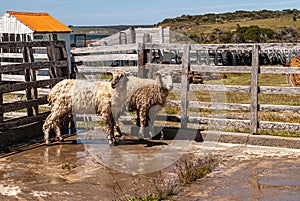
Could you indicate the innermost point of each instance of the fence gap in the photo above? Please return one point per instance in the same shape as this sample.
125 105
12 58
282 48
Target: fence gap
254 90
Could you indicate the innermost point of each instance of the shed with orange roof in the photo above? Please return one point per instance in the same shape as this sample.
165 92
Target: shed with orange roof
32 26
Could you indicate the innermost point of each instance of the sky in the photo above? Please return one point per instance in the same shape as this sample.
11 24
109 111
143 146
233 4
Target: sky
136 12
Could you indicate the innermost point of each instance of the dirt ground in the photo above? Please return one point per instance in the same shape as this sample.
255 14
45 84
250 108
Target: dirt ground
81 169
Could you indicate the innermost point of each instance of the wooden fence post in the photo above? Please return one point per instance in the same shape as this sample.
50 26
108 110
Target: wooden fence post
1 100
30 75
184 86
141 60
254 90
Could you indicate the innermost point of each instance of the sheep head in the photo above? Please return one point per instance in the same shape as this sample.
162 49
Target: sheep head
119 79
164 77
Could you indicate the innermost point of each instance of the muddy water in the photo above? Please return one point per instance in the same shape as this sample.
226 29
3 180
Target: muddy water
74 170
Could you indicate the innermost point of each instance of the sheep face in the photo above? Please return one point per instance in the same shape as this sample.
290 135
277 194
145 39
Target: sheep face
119 79
167 81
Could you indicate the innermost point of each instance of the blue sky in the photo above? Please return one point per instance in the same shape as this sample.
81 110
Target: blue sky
136 12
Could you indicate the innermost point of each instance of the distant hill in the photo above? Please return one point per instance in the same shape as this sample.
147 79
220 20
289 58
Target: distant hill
239 26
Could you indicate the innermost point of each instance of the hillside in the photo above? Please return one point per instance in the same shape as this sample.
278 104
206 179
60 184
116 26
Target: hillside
239 26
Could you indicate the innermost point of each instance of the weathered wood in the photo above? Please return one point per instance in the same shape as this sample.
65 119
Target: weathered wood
52 57
23 121
279 108
34 66
207 87
103 69
141 60
221 69
23 86
279 90
280 70
12 45
279 126
184 86
20 78
254 90
98 49
19 55
19 105
41 91
221 123
107 57
28 58
155 67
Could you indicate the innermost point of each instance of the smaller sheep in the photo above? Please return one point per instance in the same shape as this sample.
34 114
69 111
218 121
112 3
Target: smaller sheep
103 98
148 97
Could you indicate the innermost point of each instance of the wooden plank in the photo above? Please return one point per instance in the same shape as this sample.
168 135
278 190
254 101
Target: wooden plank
170 46
19 55
221 123
279 126
279 90
19 105
106 57
280 70
87 69
254 91
41 91
221 69
20 78
207 87
155 67
98 49
22 86
184 86
210 105
23 121
35 66
12 45
279 108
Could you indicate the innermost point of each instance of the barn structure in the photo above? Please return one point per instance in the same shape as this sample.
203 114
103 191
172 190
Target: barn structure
32 26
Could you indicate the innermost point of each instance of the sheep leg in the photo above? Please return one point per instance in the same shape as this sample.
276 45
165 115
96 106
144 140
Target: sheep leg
117 133
143 120
57 131
46 129
53 121
110 133
152 115
109 123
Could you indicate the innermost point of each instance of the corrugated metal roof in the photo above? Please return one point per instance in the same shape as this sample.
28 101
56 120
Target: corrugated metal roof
40 22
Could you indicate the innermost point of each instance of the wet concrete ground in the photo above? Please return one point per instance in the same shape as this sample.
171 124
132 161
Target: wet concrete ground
75 170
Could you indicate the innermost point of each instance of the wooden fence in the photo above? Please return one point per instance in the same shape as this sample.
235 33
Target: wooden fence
141 59
20 69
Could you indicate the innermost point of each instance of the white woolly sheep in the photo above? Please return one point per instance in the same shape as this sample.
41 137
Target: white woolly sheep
147 97
103 98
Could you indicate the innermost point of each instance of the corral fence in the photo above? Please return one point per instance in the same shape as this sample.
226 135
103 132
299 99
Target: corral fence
142 59
27 72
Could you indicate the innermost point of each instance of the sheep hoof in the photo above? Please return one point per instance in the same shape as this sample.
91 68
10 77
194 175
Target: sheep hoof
113 143
47 142
61 139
